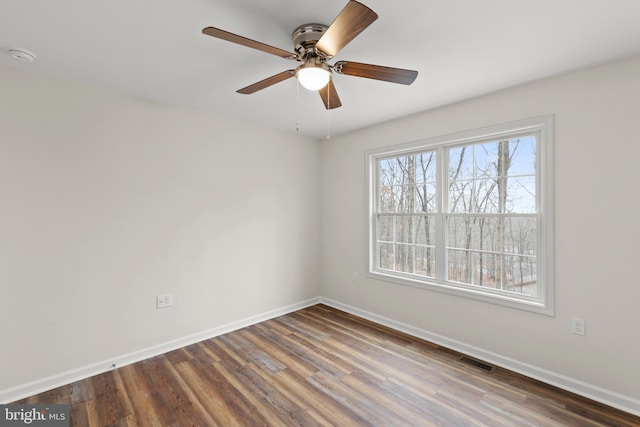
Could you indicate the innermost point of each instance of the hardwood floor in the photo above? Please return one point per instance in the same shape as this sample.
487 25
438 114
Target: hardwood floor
320 367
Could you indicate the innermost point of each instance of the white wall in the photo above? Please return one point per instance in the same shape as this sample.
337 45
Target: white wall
597 162
108 201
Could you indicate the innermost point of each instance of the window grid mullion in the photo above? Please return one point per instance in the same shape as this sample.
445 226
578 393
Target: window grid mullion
442 183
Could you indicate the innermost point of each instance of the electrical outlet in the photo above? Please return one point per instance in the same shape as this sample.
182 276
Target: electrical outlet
163 301
578 326
354 276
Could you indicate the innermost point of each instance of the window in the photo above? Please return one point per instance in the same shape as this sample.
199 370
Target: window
469 214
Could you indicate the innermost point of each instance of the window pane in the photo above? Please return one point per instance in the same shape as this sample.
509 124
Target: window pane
394 198
425 261
391 184
385 228
426 167
486 199
485 234
485 158
404 169
425 198
406 199
386 199
406 243
425 231
486 276
520 275
460 163
460 265
404 259
469 232
520 236
523 156
386 256
403 229
505 234
392 171
521 195
460 196
475 247
459 232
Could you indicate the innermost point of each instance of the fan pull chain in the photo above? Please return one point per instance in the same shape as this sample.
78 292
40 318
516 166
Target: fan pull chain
328 137
297 106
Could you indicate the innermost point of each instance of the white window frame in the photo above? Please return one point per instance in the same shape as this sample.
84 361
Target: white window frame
542 126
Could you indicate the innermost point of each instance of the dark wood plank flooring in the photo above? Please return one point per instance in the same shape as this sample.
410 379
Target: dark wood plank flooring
320 367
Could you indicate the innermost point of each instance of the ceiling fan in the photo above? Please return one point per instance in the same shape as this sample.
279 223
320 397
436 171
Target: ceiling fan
314 46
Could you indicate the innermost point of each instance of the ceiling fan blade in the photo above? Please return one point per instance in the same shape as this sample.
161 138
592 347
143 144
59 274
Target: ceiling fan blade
377 72
269 81
350 22
329 96
234 38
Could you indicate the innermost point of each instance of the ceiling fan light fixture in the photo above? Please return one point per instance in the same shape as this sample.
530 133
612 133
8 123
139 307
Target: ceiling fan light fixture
313 75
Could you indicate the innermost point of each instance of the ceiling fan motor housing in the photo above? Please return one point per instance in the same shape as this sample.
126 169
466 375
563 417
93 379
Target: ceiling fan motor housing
305 38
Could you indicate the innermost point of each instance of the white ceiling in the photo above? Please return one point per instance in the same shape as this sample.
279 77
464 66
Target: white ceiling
154 49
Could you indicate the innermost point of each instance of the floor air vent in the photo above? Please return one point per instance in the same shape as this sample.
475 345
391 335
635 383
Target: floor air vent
477 363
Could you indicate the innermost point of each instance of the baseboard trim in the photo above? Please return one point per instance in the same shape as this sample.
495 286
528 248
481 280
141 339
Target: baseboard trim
607 397
58 380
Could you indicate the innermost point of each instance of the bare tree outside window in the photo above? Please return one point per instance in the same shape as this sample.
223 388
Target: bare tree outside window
468 214
407 198
490 215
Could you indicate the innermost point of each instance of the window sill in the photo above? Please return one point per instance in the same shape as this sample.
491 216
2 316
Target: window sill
471 292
